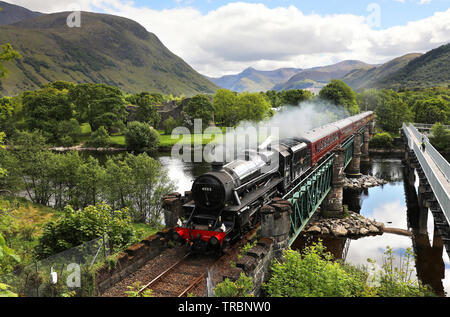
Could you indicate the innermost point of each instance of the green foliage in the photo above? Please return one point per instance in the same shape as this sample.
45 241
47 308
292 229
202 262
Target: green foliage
140 136
146 108
169 124
339 93
8 258
382 140
243 287
312 273
5 292
396 280
294 96
441 137
45 109
99 138
7 53
133 291
99 105
226 111
392 111
76 227
252 106
199 107
431 110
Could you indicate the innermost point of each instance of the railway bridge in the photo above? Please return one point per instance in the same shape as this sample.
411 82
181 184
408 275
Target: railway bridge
322 187
433 171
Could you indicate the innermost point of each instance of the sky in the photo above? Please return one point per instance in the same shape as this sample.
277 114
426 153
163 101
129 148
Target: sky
220 37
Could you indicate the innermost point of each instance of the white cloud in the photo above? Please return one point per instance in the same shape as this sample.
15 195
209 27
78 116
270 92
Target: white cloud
239 35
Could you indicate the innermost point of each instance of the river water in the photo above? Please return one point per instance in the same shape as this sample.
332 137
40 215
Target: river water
386 204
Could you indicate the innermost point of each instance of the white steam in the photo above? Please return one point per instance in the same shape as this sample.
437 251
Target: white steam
288 122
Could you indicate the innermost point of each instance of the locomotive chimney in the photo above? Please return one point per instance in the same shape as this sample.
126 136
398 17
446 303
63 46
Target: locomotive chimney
216 166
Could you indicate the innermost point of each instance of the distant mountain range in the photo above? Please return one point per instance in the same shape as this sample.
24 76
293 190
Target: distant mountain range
255 80
413 70
105 49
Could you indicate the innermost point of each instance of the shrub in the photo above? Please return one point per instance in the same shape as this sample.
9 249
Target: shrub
382 140
99 138
140 136
169 124
241 288
74 228
312 273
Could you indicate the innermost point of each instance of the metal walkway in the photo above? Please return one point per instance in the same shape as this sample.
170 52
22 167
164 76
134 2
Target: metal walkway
435 167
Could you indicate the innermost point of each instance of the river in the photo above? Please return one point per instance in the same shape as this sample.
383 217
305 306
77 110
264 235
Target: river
385 203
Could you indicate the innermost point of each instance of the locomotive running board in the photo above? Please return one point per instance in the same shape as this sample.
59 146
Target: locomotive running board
252 197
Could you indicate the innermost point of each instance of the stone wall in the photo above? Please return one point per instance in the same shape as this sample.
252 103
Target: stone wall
131 260
256 263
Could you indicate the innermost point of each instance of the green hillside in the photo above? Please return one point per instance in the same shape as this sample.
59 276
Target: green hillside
429 70
105 49
318 77
366 78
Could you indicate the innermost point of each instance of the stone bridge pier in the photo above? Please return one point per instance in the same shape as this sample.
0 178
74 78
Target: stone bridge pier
332 205
354 168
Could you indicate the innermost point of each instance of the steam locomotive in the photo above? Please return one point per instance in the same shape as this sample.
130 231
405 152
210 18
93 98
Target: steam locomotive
226 200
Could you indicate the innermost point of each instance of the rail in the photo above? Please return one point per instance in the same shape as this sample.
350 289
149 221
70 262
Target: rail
425 126
439 185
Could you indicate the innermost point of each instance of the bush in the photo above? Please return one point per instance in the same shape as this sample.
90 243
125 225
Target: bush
99 138
140 136
312 273
77 227
169 124
441 137
382 140
241 288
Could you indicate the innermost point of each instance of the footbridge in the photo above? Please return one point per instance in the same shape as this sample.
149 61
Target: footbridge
434 177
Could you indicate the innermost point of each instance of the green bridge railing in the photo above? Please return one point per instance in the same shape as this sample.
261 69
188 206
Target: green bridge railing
307 195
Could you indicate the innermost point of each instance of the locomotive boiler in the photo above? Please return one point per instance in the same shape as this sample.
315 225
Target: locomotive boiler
226 201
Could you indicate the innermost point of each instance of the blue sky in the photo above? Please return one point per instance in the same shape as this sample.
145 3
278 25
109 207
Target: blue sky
394 12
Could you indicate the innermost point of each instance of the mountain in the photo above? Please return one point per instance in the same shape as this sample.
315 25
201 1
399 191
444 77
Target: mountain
428 70
366 78
11 13
317 77
105 49
253 80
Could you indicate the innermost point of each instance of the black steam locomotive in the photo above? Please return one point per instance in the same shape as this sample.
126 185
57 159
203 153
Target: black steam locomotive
226 201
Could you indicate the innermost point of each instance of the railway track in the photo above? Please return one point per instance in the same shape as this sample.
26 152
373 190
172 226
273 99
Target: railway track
181 277
188 273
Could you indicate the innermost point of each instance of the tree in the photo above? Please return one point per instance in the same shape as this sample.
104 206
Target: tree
169 124
7 53
226 111
252 107
141 136
441 137
99 105
295 96
147 110
99 138
431 110
339 93
392 111
199 107
44 109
